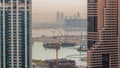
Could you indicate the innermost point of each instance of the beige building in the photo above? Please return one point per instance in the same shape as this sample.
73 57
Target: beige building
103 33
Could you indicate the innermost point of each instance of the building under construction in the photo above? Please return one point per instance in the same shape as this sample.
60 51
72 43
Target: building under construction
62 63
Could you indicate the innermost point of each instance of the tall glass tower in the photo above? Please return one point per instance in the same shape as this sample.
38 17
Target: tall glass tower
15 33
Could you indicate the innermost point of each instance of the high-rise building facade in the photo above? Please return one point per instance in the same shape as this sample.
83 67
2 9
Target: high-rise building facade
15 33
103 33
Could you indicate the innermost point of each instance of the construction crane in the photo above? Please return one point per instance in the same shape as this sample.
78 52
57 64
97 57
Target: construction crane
57 45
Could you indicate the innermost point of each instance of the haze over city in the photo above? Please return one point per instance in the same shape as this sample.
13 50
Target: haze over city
60 34
45 10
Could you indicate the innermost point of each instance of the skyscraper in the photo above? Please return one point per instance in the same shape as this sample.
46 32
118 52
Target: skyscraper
78 15
103 33
58 16
15 33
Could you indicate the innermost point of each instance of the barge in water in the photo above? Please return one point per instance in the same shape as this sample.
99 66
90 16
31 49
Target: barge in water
54 45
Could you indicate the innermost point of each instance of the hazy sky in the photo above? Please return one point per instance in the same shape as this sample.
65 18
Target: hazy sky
46 9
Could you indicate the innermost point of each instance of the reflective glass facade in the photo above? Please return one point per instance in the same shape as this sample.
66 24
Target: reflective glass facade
15 34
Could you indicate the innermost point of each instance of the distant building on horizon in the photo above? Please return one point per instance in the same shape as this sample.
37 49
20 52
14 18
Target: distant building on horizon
78 15
15 34
71 22
75 22
103 33
59 18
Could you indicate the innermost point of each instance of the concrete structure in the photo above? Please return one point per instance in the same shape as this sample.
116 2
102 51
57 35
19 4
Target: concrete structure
103 33
15 33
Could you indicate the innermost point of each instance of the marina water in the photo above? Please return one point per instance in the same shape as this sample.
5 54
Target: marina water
41 53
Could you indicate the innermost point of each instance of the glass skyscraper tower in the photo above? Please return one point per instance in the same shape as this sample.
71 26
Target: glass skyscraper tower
15 33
